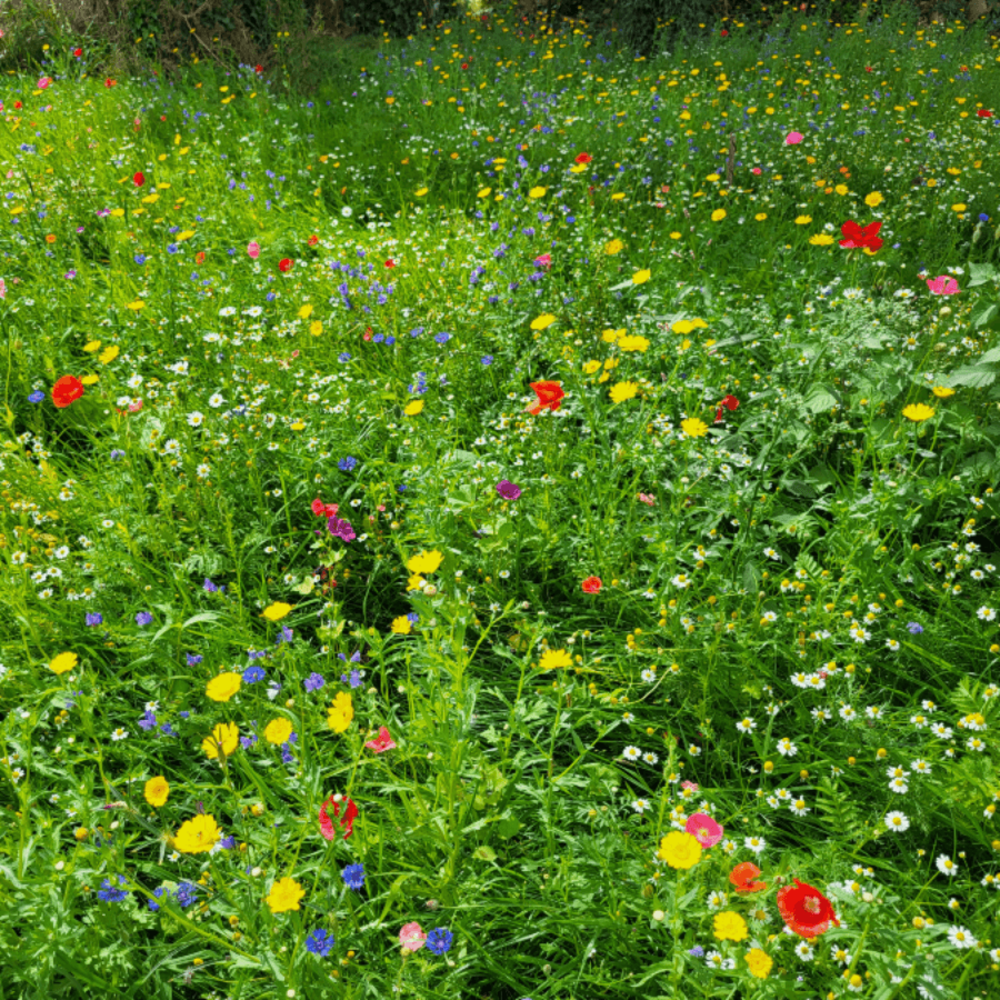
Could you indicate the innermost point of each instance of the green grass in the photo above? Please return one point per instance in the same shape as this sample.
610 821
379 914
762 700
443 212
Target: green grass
794 599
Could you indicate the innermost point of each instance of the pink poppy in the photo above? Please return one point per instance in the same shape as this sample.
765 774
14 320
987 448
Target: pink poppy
326 824
44 82
756 170
646 498
381 742
544 261
942 285
793 138
254 250
704 829
3 289
412 937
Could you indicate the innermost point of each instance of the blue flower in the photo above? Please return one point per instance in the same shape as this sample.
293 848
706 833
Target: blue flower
983 217
95 618
343 358
209 586
159 893
347 464
914 628
186 894
143 618
253 674
487 359
439 940
140 259
36 397
116 453
314 682
193 659
320 942
442 338
354 876
110 894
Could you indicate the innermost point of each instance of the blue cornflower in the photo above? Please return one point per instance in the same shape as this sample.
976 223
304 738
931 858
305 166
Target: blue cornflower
159 893
143 618
983 217
697 951
116 453
314 682
186 894
439 940
285 636
228 843
413 617
487 359
914 628
209 586
140 259
248 741
193 659
320 942
36 397
253 674
148 721
343 358
354 876
442 338
110 894
95 618
354 680
347 464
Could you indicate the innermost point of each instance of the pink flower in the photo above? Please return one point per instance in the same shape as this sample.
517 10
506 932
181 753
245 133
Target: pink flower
412 937
135 406
942 285
689 786
793 138
647 499
3 289
44 82
544 261
382 742
704 829
254 250
756 170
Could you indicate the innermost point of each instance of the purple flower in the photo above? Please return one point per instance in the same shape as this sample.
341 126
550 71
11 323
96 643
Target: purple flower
159 894
95 618
209 586
439 940
253 674
193 659
110 894
914 628
143 618
319 943
340 529
508 490
148 721
347 464
314 682
285 636
697 951
354 680
36 397
354 876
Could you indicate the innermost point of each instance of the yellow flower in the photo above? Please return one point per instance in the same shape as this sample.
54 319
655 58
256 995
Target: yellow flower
63 662
633 343
412 409
918 412
760 216
537 192
615 246
275 612
874 200
958 208
621 391
341 712
277 731
694 427
89 379
590 367
305 312
679 850
618 196
401 625
675 235
91 346
543 322
187 234
553 658
730 926
821 240
197 835
225 735
803 220
108 354
285 895
941 392
484 192
718 215
157 791
136 306
610 336
759 963
425 562
223 687
415 582
316 327
640 277
687 325
421 192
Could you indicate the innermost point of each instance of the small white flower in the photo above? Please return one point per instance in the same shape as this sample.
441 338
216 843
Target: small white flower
631 753
946 866
640 806
960 937
755 844
897 822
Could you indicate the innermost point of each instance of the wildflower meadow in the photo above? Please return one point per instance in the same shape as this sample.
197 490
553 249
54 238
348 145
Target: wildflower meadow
516 521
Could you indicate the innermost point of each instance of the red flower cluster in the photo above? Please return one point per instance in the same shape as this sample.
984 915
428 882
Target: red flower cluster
313 240
983 113
326 824
321 509
857 237
805 910
67 390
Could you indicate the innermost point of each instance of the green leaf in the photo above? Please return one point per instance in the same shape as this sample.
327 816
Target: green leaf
973 377
979 274
986 316
820 399
485 853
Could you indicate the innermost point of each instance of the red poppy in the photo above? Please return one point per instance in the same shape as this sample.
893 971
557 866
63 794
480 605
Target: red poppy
367 335
592 585
67 390
321 509
860 236
258 69
465 65
326 824
724 33
78 53
138 178
983 113
583 158
285 265
744 877
200 257
730 403
806 910
868 69
17 105
390 263
109 82
313 240
549 395
382 742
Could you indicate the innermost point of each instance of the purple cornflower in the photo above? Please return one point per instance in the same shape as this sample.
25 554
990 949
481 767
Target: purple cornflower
314 682
209 586
354 680
508 490
193 659
36 397
319 943
143 618
110 894
697 951
914 628
347 464
95 618
148 721
439 940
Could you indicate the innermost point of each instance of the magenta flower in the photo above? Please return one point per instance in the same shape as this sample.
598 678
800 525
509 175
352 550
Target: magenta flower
254 250
793 138
942 285
704 829
544 261
382 742
412 937
508 490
